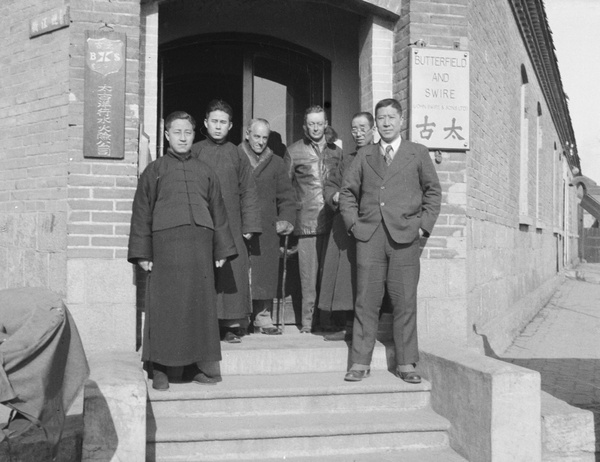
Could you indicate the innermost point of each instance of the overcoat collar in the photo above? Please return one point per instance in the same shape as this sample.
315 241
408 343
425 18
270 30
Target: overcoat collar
258 163
310 145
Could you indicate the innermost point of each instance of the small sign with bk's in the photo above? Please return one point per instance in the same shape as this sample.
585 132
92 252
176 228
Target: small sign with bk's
48 22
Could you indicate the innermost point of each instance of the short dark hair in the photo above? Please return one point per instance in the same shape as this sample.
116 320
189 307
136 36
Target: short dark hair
316 109
179 115
219 105
366 115
389 102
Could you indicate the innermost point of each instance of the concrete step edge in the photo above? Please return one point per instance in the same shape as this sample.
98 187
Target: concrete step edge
419 455
285 406
182 429
321 448
293 353
284 385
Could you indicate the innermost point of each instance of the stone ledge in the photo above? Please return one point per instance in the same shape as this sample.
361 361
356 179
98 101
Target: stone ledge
567 431
114 408
494 407
584 275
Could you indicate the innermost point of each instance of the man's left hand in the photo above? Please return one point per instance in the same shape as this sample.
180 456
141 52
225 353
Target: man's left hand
247 236
220 263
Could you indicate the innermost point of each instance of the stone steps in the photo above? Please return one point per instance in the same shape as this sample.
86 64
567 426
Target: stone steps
418 455
326 433
284 398
289 394
293 353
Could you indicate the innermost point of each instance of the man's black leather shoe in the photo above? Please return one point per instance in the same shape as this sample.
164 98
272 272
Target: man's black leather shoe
409 377
356 376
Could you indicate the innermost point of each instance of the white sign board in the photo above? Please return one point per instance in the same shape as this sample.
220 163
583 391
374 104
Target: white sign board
439 98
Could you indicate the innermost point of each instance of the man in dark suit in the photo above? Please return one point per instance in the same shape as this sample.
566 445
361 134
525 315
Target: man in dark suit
390 197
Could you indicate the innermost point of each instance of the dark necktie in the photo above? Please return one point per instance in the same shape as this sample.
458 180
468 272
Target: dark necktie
388 154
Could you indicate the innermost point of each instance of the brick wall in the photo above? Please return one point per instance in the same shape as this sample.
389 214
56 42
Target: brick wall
101 191
33 154
442 295
100 289
511 267
64 220
481 267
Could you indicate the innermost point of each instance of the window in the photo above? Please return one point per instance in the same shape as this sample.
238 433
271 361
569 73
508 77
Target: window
538 165
524 154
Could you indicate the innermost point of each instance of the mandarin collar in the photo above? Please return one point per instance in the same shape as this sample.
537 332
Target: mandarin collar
181 157
214 142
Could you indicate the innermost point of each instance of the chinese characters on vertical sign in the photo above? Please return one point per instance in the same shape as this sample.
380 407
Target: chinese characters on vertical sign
104 105
439 98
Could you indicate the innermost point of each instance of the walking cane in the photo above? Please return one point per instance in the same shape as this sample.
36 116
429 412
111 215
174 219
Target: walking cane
281 300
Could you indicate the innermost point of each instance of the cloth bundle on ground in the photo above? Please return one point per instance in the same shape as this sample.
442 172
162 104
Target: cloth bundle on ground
43 363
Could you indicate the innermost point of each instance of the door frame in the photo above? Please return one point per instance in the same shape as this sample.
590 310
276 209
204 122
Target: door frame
254 45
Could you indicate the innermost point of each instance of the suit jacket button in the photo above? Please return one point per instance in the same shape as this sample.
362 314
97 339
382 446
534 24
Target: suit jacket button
383 187
382 204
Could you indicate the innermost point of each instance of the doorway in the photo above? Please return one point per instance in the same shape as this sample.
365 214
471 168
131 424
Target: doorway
258 76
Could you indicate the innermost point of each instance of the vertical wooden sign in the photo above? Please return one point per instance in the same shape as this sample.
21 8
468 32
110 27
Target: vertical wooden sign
104 87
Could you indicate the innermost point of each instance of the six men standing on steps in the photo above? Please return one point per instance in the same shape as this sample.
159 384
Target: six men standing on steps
387 195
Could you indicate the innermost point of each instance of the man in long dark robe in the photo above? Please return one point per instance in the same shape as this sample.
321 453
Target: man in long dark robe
278 211
179 232
338 285
241 202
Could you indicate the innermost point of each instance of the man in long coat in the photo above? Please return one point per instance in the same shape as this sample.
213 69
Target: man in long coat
390 197
241 202
278 211
338 284
311 161
179 232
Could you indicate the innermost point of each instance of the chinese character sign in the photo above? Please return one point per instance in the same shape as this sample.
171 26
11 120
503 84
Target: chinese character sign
104 105
50 21
439 98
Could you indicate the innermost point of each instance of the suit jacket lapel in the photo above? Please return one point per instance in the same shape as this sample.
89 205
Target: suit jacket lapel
376 161
403 157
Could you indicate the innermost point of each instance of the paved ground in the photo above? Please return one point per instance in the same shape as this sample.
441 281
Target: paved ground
563 342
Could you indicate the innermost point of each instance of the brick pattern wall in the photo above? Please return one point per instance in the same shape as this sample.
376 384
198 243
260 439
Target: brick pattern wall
149 71
508 269
100 192
442 302
376 62
438 25
33 153
100 282
511 267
